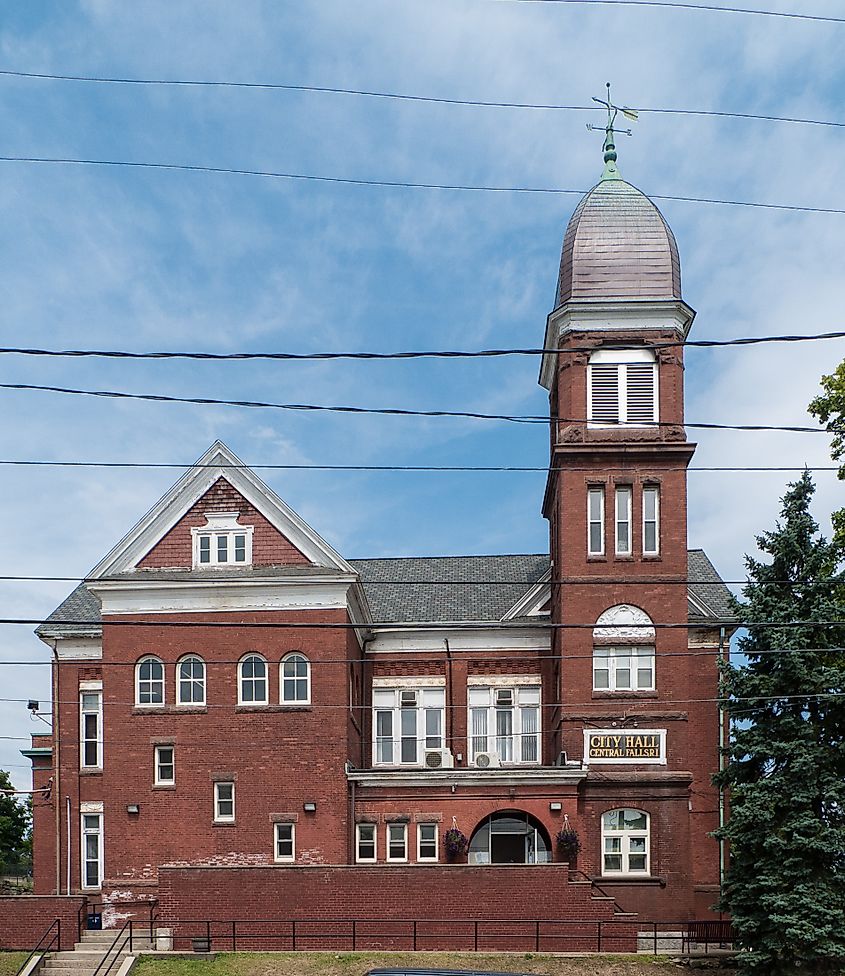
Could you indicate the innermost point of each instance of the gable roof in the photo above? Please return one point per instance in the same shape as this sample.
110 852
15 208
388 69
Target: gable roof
217 462
411 590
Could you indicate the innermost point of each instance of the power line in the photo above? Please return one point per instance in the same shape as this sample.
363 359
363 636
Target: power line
447 468
677 5
411 354
395 411
395 184
399 96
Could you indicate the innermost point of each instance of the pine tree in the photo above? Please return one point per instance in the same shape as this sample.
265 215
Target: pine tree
785 771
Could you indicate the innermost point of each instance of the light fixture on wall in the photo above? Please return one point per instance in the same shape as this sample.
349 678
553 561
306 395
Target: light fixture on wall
309 806
555 807
133 808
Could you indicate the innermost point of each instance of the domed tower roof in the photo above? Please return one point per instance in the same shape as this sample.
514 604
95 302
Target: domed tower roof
618 247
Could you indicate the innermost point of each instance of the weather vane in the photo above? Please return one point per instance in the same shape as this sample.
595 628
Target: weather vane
611 172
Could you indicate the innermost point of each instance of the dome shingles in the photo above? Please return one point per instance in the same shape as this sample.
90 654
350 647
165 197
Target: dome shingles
618 246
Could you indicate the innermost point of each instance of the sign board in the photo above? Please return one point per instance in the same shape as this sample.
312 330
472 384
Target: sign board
624 746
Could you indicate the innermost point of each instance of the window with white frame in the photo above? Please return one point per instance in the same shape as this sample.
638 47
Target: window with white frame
149 681
190 680
92 850
365 842
165 765
623 668
624 498
406 723
91 729
625 842
397 842
595 521
252 680
651 520
504 724
222 541
224 802
427 842
284 841
296 679
622 388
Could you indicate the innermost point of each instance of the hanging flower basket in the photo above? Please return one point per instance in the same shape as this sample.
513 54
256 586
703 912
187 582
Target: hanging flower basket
455 843
568 843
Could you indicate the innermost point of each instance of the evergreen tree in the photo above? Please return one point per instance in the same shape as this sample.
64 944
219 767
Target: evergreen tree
15 825
785 771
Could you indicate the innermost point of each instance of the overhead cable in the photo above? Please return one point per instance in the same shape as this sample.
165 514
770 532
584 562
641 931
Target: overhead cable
399 96
396 411
678 5
394 184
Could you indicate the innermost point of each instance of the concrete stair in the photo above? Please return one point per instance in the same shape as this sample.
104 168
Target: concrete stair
88 954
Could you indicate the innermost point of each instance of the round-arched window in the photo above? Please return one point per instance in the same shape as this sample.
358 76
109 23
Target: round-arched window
296 679
190 681
149 681
252 680
510 837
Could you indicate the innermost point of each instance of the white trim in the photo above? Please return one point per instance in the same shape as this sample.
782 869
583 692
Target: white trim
91 806
388 640
162 681
225 818
217 462
626 518
531 603
191 656
78 648
157 780
412 681
420 828
358 858
507 776
618 733
597 491
625 846
285 859
656 490
221 524
388 828
90 685
295 701
98 691
504 680
624 624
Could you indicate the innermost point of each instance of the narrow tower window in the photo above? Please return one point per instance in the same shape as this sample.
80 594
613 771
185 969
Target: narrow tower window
623 521
651 521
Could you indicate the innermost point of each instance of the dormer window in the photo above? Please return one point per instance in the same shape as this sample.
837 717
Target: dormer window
622 388
222 541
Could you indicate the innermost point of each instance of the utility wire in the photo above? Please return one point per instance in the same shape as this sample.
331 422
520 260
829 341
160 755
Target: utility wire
396 411
448 468
676 5
397 184
414 354
399 96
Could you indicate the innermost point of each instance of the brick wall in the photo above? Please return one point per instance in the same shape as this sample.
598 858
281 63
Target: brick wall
24 919
506 902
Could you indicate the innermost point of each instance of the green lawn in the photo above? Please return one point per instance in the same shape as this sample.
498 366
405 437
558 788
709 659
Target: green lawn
357 963
11 962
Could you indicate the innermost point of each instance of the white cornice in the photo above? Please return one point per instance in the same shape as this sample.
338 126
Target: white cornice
609 316
426 778
217 462
387 640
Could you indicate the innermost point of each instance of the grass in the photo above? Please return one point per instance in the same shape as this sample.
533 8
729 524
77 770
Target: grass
11 962
357 963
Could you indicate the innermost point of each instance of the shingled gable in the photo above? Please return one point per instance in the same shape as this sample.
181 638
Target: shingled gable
217 471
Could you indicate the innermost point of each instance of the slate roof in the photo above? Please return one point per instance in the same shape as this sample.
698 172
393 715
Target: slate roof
409 590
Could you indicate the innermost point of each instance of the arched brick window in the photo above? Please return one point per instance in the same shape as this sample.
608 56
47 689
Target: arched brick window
623 651
252 680
190 680
149 681
295 679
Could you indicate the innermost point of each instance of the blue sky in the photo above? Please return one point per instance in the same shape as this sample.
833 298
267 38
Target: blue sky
117 258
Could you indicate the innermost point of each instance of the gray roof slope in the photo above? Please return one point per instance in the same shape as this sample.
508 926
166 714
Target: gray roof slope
405 590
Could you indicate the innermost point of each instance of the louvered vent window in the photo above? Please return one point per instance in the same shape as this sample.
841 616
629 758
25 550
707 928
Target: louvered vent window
622 388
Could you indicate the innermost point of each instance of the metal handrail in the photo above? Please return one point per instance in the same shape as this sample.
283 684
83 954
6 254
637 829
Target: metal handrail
99 971
56 937
597 887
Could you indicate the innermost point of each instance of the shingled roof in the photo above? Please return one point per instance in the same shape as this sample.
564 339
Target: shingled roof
417 590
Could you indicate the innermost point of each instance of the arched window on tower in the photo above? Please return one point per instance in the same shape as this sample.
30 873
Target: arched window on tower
623 651
622 388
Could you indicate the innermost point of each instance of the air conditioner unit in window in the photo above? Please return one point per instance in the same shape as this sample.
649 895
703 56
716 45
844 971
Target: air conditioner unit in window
439 759
487 760
504 697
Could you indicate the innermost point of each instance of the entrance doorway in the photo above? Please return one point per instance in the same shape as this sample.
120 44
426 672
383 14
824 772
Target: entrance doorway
512 837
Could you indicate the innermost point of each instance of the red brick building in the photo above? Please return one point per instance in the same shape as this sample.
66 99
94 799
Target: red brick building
233 694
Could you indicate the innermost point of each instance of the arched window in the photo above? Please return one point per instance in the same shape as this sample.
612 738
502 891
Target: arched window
190 681
625 842
510 837
623 650
252 681
622 388
149 681
296 679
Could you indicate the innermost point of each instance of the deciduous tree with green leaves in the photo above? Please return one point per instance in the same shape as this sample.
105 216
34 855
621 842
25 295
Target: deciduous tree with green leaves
829 408
785 770
15 825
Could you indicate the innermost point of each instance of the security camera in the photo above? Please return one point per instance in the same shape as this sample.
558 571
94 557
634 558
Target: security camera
33 705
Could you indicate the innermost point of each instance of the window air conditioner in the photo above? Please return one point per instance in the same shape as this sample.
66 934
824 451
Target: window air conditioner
487 760
439 759
504 697
561 759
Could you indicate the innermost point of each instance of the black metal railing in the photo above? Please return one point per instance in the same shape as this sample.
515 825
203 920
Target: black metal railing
112 954
52 935
621 935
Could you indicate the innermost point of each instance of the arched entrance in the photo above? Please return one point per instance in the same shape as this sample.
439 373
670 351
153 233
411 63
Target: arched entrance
510 837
